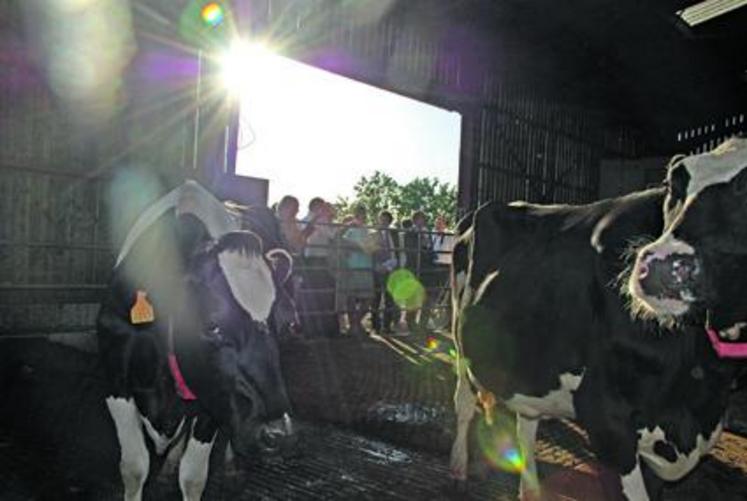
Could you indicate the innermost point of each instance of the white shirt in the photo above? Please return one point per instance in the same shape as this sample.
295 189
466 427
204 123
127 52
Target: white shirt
318 243
443 245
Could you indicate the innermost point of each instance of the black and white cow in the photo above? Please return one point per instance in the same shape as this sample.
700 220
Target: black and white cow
187 336
619 314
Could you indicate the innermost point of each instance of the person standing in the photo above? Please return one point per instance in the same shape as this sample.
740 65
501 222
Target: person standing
356 276
287 211
385 261
443 244
420 262
318 302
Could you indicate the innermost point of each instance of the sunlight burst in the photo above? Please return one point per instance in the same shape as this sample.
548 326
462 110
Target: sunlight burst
241 62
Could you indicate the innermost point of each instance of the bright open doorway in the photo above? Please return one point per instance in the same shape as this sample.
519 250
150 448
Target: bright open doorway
311 132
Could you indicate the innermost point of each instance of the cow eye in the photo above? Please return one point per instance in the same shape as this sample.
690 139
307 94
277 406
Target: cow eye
213 334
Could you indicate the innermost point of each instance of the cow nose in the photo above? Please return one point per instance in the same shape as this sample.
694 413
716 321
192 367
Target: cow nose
671 276
277 437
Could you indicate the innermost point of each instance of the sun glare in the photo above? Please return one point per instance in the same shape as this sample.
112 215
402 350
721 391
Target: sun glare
241 62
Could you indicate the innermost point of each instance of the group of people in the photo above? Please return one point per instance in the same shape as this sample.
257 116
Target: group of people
347 264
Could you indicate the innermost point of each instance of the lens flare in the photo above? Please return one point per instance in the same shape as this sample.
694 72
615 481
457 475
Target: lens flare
406 290
499 446
212 14
431 343
206 24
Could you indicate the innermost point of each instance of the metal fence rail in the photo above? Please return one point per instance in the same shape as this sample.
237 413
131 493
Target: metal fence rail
48 307
418 256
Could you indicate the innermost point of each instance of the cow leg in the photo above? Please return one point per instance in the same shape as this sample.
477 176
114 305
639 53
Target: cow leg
464 406
526 432
135 459
633 486
193 468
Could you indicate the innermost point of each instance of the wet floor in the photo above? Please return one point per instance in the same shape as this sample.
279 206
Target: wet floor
376 419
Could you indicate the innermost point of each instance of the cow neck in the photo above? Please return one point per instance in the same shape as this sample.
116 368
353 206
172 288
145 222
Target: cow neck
179 383
724 349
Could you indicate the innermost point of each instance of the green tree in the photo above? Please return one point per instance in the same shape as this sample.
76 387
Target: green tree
380 191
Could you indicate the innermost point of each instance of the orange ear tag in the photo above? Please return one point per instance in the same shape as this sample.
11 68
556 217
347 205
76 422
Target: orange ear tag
487 401
142 310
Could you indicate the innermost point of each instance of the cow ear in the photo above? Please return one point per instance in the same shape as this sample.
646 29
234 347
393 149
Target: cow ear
639 217
243 241
675 160
282 263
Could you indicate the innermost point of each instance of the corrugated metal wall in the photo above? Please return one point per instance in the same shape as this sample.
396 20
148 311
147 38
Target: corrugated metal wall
54 229
705 137
531 149
516 145
58 186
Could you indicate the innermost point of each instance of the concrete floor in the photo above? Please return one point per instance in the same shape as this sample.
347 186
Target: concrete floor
377 424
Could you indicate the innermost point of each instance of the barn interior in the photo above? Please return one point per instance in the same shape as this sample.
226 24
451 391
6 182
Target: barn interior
103 101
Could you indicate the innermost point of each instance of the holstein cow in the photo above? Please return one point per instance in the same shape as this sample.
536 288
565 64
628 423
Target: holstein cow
621 314
187 336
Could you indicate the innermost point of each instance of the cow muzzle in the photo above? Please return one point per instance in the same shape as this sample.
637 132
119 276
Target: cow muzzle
666 282
276 438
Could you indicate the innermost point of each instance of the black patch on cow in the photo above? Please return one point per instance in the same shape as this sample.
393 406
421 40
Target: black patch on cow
665 450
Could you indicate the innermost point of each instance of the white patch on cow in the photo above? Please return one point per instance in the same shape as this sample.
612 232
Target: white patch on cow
134 457
251 282
633 485
684 463
526 432
464 407
160 441
557 403
718 166
665 246
466 296
174 456
485 284
193 469
662 248
460 279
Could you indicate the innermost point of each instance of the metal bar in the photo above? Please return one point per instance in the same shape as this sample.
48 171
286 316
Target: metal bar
515 174
13 287
53 245
52 172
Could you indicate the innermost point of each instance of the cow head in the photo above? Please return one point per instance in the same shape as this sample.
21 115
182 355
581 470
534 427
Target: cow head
224 342
697 266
